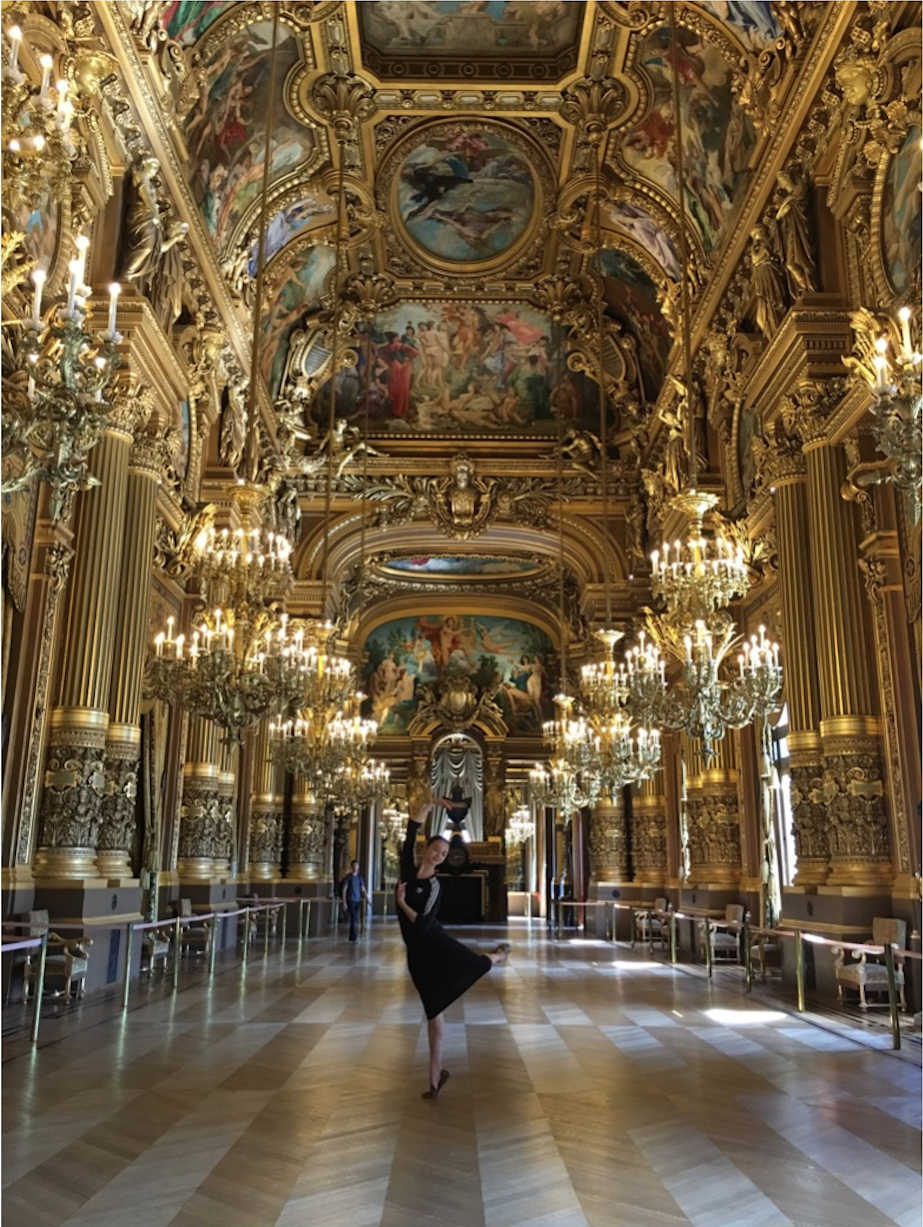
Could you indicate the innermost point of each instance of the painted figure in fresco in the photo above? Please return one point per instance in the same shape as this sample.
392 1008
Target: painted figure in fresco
431 181
641 226
399 356
445 638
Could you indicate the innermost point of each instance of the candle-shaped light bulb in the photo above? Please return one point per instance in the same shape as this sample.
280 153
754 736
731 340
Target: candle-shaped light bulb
38 141
15 36
38 280
158 644
114 291
46 64
904 316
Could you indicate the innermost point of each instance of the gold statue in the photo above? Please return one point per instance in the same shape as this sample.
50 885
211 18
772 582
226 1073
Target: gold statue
768 290
794 234
146 237
462 504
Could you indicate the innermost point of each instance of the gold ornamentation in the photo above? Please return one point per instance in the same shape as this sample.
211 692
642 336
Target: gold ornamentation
608 843
456 705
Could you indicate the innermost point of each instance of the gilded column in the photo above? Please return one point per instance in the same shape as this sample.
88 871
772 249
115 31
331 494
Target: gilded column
206 834
649 831
714 815
782 464
608 841
123 737
267 802
307 836
75 776
852 790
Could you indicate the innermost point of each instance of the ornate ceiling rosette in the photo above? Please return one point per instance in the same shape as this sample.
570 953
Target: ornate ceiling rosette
466 196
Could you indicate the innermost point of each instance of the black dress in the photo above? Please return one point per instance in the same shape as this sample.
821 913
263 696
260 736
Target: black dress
441 967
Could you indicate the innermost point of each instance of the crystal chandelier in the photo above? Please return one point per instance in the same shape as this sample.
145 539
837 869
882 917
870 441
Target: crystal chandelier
704 575
570 780
355 785
705 702
328 748
520 826
56 380
38 145
393 824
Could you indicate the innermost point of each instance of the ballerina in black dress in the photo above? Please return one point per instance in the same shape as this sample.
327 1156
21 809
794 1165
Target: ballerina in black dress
441 967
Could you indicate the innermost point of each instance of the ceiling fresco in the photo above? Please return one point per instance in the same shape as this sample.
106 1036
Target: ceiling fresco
753 21
462 566
187 20
632 295
225 132
456 367
718 136
466 213
409 653
296 284
901 212
532 40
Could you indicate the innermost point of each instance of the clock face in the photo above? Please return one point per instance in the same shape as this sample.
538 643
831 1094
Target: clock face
457 857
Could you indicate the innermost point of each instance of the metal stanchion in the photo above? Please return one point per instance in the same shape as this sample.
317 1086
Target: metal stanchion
672 938
39 987
307 918
799 971
266 924
559 915
284 924
892 997
246 935
706 934
748 960
177 946
212 946
632 927
127 983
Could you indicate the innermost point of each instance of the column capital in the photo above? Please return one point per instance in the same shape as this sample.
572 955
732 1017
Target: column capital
806 411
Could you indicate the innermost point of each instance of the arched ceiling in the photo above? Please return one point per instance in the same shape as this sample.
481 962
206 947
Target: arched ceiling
470 176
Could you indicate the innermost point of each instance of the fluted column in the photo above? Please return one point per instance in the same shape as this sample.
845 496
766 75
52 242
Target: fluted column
267 802
787 470
714 815
307 836
75 777
852 787
608 841
123 737
206 835
649 831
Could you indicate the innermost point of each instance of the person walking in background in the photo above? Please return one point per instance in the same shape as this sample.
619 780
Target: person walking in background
353 894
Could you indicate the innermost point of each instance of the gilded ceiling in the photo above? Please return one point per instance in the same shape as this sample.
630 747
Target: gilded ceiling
469 179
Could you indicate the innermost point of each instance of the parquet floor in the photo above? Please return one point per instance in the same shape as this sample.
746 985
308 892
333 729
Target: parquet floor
589 1087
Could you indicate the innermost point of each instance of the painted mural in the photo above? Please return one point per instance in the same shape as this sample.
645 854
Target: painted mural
187 20
718 136
291 221
633 296
901 212
225 132
412 652
519 30
301 283
462 565
638 224
753 21
463 367
466 194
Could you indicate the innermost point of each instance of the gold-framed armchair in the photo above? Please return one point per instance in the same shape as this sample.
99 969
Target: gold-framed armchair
652 924
193 938
67 959
724 935
868 974
155 949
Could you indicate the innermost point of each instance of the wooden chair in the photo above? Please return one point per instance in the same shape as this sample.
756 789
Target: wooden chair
67 960
869 974
652 924
193 938
155 948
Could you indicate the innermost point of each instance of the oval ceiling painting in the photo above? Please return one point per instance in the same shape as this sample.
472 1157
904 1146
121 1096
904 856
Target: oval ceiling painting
465 193
456 566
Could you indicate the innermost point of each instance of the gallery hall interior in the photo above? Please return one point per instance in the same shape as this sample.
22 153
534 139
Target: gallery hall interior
462 485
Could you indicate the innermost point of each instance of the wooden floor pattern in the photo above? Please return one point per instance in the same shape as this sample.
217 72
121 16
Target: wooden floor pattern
589 1088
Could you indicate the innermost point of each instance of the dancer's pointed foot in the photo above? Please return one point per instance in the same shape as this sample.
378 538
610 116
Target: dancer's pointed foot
434 1090
500 953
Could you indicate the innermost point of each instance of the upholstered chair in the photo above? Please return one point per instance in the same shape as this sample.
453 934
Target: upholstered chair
67 959
193 938
652 924
724 935
869 974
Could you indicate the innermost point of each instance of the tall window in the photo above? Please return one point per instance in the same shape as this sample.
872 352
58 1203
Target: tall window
782 794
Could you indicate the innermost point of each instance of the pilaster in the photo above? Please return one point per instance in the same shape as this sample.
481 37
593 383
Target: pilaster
648 831
267 802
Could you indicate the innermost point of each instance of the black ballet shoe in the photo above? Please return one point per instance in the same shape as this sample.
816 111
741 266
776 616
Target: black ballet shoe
434 1090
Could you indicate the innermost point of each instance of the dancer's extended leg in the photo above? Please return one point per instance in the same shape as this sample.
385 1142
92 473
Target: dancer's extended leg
499 956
